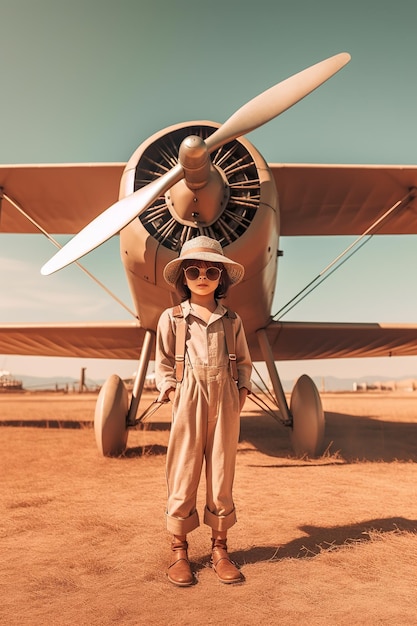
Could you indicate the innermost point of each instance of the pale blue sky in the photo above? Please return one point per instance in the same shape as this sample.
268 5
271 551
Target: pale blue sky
90 80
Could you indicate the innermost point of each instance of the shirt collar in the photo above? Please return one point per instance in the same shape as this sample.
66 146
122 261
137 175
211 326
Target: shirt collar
217 314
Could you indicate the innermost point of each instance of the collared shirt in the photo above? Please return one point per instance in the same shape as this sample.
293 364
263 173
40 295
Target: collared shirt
205 344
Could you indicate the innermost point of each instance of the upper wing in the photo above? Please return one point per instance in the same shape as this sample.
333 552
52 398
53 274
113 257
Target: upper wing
316 340
118 340
344 199
314 199
62 199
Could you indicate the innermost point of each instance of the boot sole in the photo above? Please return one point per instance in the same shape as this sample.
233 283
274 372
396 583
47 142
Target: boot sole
177 584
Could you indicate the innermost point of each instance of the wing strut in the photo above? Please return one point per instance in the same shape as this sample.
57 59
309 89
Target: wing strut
145 356
275 379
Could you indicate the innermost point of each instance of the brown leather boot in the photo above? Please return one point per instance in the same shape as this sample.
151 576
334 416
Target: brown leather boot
226 571
179 572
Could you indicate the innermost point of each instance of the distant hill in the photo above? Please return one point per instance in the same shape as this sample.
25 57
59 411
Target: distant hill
331 383
38 383
324 383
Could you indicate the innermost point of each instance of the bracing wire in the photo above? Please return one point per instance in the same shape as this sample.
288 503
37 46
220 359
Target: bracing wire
354 247
264 388
314 284
58 245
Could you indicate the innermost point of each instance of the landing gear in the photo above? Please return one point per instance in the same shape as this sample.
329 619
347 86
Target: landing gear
305 415
308 418
110 418
115 413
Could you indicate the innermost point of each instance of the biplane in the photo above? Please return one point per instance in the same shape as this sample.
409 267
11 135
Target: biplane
196 178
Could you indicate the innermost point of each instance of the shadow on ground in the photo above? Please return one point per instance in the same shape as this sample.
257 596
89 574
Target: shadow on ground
351 438
319 539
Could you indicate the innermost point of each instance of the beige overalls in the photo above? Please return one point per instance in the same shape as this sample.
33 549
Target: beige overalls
205 417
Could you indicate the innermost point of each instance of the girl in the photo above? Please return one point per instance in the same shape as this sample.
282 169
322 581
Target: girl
203 367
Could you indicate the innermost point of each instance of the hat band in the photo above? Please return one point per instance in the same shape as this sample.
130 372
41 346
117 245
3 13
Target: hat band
209 250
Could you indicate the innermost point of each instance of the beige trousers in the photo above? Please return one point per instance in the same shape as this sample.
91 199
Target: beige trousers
205 426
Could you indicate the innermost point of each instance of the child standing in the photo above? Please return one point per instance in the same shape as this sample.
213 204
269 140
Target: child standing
203 367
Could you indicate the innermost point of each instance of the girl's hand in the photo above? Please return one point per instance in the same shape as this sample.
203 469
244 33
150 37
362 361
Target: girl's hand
168 396
243 392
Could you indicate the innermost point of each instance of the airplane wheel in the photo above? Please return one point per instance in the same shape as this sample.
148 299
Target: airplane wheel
308 418
110 417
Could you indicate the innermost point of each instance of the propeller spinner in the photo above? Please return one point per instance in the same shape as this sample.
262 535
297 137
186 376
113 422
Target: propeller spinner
254 114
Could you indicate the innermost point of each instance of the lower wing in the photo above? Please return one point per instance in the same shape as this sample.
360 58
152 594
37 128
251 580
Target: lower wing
109 340
318 340
288 340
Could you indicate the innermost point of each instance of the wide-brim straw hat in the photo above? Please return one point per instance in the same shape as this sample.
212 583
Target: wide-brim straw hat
203 249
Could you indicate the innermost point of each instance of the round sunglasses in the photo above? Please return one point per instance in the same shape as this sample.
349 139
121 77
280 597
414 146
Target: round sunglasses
193 272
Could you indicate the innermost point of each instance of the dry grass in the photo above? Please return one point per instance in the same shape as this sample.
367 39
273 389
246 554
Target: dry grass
325 541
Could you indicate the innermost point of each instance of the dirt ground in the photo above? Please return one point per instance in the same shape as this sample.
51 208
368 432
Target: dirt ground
323 541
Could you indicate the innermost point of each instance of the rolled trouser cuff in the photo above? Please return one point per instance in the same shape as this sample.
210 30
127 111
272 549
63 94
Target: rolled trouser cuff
182 526
219 522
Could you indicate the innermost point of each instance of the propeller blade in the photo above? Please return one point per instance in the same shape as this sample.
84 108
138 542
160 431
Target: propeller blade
255 113
276 100
111 221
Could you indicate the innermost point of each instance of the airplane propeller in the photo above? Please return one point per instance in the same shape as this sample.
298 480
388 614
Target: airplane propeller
261 109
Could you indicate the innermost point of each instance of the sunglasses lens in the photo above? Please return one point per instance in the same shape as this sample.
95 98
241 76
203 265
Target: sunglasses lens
192 273
213 273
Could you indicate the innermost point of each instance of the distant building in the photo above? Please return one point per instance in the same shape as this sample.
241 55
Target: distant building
8 383
409 384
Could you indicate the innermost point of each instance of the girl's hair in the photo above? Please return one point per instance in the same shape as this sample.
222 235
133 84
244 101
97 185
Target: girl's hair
181 286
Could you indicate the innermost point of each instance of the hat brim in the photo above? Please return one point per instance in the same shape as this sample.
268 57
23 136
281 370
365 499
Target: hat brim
234 270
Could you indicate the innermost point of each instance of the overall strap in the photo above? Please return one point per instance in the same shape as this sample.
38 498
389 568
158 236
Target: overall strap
181 331
230 336
180 336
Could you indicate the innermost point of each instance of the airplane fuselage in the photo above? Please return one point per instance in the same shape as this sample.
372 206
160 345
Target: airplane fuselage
237 205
